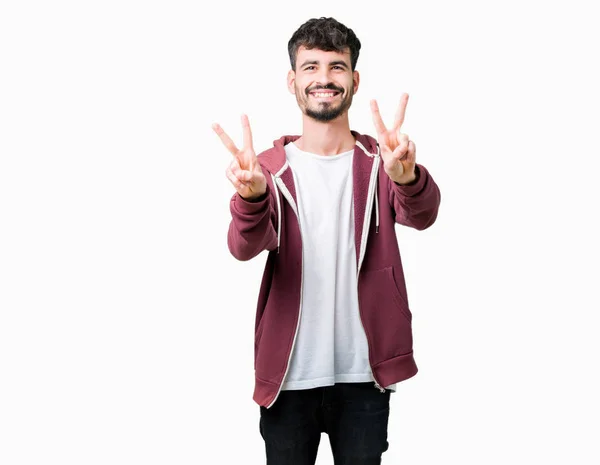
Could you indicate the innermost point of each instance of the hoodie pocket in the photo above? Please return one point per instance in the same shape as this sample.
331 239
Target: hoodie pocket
257 337
385 315
258 333
400 300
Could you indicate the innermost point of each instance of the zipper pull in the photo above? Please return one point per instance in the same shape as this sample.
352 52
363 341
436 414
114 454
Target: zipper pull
379 387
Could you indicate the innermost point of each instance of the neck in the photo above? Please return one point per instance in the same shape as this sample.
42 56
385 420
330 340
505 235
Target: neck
326 138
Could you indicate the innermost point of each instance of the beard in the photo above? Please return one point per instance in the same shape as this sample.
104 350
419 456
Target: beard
324 111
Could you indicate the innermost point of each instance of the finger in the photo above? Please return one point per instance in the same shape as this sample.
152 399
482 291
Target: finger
399 153
403 142
412 152
377 121
242 175
234 180
399 118
225 139
234 166
247 132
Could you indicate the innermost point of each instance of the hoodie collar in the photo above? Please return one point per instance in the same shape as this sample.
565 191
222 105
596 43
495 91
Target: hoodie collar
274 159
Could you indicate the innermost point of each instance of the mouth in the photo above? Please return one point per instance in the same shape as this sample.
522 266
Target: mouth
324 95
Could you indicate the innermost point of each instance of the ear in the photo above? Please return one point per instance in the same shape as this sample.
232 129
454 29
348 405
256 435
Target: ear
356 79
291 79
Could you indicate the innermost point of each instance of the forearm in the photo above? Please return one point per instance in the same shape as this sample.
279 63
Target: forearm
252 226
416 204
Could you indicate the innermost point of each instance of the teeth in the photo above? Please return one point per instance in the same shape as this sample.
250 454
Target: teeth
324 94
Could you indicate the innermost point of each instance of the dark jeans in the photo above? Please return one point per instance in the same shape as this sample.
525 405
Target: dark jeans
354 416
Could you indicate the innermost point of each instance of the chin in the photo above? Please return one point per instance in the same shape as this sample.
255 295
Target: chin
323 117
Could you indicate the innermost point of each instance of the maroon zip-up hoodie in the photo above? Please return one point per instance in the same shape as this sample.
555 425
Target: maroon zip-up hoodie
271 223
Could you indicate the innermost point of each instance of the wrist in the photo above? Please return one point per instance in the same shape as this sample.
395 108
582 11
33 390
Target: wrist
409 181
404 182
254 198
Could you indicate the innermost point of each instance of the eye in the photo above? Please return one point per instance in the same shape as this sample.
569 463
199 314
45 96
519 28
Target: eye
308 67
338 67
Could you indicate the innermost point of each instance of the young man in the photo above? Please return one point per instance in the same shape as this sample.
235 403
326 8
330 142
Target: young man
333 326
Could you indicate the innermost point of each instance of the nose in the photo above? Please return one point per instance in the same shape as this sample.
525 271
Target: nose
323 77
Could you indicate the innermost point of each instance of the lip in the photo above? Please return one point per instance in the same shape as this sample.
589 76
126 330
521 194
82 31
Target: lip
331 97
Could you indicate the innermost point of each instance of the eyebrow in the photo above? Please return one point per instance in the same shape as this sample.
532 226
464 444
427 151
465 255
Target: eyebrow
331 63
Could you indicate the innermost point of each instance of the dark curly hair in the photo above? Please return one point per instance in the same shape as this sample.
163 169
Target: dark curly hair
325 34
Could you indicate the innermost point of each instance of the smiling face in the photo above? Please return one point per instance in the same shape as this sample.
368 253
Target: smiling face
323 83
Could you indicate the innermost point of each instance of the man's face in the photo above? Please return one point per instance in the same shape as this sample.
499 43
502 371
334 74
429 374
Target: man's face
323 83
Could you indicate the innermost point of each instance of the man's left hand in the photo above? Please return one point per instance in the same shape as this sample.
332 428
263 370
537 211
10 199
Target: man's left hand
397 151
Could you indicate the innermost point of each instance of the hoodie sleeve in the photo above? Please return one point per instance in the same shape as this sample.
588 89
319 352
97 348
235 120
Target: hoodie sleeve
416 204
252 227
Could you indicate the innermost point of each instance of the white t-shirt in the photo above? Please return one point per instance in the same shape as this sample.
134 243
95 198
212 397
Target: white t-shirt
331 345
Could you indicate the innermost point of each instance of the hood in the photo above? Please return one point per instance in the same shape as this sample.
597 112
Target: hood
274 159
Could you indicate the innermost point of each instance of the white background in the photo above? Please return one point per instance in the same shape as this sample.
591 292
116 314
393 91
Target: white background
126 327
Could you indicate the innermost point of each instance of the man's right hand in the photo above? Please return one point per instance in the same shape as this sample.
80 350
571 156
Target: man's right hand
244 171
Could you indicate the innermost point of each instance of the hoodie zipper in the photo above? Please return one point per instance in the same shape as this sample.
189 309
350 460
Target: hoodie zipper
363 244
286 193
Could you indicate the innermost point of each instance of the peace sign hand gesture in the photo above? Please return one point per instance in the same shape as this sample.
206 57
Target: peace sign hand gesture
244 171
397 151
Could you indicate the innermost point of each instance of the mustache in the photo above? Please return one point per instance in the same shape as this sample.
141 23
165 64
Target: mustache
327 87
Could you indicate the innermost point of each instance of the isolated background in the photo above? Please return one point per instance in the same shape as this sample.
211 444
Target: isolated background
126 327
